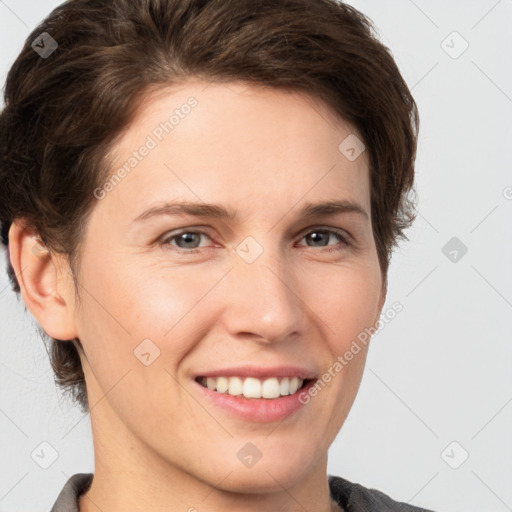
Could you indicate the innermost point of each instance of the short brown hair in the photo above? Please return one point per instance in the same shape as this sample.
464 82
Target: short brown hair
63 113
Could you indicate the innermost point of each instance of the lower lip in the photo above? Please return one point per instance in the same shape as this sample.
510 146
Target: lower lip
256 409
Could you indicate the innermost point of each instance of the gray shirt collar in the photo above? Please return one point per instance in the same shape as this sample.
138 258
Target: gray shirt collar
352 497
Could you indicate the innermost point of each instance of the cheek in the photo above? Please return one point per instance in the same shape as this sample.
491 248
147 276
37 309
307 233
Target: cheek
148 300
346 299
127 304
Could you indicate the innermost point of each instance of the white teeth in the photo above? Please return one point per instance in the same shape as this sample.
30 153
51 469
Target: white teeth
222 384
236 386
270 388
294 385
251 387
285 386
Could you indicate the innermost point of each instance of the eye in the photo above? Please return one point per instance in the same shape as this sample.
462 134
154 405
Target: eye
321 236
188 242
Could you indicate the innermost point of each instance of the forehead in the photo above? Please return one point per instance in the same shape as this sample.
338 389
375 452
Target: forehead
239 144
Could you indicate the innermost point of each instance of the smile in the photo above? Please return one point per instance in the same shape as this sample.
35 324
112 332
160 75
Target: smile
250 387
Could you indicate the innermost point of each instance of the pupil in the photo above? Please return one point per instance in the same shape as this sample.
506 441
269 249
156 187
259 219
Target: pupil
185 237
315 237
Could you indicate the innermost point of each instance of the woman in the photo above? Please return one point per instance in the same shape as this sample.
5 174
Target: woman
199 201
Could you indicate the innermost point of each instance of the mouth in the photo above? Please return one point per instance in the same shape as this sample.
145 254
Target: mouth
251 387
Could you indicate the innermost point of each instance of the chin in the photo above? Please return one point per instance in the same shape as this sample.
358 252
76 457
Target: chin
275 464
265 478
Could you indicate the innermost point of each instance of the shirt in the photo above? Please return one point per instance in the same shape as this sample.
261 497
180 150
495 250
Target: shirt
352 497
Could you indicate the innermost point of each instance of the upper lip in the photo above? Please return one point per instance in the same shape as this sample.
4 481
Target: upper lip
260 372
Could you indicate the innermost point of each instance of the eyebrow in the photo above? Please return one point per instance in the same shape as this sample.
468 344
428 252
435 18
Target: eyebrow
217 211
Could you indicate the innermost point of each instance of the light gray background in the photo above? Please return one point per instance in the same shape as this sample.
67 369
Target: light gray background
441 371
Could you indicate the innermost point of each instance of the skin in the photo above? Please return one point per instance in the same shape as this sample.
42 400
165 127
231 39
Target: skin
158 445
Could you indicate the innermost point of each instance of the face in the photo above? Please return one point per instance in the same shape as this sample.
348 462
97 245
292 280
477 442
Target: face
265 291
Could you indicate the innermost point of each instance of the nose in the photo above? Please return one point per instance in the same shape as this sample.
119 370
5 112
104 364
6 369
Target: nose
262 300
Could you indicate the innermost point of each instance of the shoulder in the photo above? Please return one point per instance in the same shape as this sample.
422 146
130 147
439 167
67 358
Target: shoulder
67 501
355 497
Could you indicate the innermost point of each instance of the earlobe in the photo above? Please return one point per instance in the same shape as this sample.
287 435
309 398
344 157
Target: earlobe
43 292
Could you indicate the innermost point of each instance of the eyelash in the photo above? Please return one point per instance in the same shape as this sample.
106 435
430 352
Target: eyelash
343 239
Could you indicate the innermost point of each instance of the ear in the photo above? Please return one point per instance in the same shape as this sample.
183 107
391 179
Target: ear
46 283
